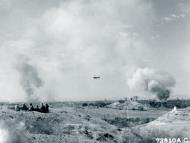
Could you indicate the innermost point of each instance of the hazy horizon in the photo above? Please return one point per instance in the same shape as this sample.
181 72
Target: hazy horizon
51 50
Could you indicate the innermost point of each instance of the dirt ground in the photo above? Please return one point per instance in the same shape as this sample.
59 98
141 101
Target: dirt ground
73 124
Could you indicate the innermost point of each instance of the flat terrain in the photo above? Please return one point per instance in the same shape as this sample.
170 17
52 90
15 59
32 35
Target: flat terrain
75 124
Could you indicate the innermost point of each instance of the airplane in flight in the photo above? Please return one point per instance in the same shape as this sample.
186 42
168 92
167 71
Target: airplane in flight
96 77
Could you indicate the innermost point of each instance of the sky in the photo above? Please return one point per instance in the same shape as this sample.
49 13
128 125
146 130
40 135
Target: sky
50 50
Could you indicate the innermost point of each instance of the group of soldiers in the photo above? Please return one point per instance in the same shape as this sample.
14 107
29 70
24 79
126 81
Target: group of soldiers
43 108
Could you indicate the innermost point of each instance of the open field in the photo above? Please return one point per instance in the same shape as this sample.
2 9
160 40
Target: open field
71 123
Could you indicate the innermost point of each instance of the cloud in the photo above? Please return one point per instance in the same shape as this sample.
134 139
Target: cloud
173 17
4 6
68 44
85 39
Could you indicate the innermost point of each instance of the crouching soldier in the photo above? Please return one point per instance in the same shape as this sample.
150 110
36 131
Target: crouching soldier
42 108
24 107
37 108
47 108
31 107
17 108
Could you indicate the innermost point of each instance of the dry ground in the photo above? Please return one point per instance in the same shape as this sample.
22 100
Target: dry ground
72 124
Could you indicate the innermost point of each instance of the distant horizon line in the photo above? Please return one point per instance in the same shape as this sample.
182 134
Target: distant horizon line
67 101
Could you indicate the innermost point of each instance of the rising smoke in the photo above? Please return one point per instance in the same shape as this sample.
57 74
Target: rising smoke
73 40
69 42
152 81
30 79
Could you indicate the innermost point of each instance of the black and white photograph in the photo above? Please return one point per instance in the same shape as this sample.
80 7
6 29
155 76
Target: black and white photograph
94 71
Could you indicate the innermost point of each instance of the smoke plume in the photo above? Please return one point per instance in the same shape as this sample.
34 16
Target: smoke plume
152 81
30 79
70 41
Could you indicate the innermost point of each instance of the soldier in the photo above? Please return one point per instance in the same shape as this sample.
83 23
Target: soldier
17 107
37 108
24 107
47 108
31 107
42 108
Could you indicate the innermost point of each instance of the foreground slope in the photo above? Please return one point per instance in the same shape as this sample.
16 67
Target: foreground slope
175 123
60 125
73 124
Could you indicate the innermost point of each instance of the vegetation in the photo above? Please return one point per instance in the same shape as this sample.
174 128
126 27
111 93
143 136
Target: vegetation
96 103
128 122
167 104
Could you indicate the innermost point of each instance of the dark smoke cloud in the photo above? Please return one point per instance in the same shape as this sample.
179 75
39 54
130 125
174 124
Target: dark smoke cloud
156 88
30 79
155 82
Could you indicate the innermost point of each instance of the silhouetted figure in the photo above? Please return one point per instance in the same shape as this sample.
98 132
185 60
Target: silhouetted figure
31 107
17 108
37 108
47 108
42 108
24 107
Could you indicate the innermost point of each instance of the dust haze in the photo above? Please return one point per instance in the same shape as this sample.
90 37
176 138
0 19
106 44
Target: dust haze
68 42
